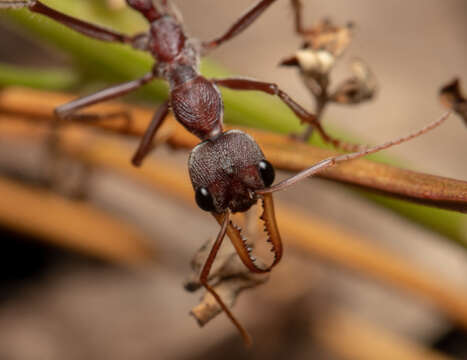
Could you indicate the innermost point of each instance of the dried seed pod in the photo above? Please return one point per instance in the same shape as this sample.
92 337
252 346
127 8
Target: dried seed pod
229 276
360 87
328 37
452 97
322 45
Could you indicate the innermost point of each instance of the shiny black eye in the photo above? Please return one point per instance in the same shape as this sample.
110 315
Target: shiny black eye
267 172
204 199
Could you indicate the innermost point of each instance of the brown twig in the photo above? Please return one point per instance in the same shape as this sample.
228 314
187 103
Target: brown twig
322 46
82 227
283 153
452 97
352 338
314 236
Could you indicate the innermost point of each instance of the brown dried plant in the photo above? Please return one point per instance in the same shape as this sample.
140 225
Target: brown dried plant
452 97
322 46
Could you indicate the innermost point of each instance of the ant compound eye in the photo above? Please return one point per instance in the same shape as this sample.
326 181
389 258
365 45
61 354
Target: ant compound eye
204 199
267 172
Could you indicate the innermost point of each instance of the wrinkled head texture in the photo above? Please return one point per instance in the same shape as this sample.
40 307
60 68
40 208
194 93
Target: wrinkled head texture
228 168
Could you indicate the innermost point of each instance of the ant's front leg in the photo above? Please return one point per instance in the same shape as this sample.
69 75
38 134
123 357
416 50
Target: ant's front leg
241 24
269 88
224 220
83 27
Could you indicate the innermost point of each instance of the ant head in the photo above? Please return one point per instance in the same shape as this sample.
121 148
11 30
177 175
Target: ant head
145 7
227 171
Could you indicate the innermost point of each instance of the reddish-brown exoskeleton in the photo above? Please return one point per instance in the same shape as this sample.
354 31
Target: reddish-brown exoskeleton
230 174
228 170
195 101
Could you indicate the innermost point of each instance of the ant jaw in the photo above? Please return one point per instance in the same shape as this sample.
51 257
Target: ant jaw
271 228
240 243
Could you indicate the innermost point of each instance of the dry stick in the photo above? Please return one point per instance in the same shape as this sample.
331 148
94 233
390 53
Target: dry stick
350 330
314 236
322 101
338 246
282 152
360 340
73 225
338 332
334 160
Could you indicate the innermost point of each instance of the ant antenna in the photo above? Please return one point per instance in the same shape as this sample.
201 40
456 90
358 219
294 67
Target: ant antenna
329 162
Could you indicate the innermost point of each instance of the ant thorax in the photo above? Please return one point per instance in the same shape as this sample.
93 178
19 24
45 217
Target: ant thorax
197 105
167 39
226 172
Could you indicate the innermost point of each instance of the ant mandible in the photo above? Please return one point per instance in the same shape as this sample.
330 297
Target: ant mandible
228 170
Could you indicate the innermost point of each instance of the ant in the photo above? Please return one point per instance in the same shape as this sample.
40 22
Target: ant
228 170
195 101
230 174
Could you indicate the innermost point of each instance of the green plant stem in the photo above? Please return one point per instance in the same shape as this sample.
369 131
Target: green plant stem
46 79
446 223
115 63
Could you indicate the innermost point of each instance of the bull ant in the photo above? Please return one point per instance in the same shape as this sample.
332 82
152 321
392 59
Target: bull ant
227 169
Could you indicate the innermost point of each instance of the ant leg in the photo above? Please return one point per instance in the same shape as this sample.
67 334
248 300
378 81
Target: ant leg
297 7
85 28
337 143
269 88
67 111
205 274
241 24
145 145
300 112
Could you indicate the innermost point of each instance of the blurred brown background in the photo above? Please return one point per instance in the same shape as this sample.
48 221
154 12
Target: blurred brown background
80 308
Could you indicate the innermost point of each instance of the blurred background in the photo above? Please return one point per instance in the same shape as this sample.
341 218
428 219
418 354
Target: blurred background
94 301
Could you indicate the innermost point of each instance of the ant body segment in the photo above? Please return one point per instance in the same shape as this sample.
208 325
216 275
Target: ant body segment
228 170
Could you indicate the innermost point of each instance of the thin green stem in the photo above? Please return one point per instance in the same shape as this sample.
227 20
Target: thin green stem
48 79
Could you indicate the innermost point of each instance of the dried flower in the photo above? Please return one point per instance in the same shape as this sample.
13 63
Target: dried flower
357 89
452 97
322 45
